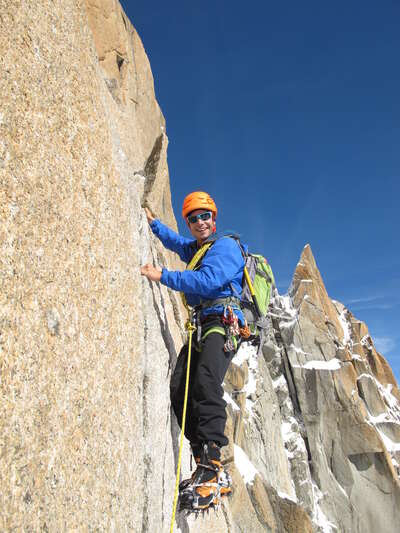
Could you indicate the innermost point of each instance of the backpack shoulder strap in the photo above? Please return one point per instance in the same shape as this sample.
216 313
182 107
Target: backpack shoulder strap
198 256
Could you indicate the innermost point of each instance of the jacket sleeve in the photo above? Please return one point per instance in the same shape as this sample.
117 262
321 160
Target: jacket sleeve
172 240
220 266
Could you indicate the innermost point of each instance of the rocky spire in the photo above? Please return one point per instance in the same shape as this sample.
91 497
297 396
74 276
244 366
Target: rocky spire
339 411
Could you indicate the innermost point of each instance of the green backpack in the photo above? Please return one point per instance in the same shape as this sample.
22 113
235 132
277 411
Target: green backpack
255 302
258 285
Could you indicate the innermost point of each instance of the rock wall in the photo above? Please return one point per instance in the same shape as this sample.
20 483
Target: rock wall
86 344
87 441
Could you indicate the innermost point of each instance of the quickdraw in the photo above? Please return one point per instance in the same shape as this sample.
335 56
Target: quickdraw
245 331
231 323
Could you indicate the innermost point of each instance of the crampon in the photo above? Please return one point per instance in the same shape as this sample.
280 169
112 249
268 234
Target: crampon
199 497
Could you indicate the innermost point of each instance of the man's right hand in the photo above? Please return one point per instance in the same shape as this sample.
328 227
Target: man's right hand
152 273
149 216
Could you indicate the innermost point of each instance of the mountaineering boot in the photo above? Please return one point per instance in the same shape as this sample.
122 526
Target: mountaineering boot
196 452
209 483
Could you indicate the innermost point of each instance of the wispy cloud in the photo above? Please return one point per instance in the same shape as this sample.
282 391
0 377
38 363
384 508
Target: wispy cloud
371 302
363 300
384 344
373 305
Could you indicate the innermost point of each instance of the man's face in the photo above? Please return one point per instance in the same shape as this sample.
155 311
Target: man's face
200 229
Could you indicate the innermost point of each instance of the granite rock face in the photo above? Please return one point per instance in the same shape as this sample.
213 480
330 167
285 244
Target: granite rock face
87 346
345 400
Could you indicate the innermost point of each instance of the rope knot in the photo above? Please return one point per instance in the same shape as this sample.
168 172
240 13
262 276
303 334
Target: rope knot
189 326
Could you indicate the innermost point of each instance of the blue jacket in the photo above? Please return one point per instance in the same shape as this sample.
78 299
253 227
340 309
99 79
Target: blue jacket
220 273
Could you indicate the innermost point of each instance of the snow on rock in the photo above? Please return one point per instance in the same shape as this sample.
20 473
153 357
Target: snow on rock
230 401
286 496
246 468
319 517
247 352
345 326
391 416
333 364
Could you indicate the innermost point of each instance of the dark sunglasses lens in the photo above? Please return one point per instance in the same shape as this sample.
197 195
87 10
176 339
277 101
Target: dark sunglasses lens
203 216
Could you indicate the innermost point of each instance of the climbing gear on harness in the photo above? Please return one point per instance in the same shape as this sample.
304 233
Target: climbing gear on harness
198 200
245 332
210 481
231 322
229 301
231 343
190 327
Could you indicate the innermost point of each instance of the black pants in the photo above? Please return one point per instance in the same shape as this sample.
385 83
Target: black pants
205 414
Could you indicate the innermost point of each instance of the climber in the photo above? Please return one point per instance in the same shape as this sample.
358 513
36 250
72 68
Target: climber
213 290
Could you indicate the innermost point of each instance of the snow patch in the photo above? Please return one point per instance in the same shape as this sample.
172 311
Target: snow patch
392 415
230 401
248 353
319 516
288 306
246 468
286 496
345 327
299 350
390 445
294 443
279 382
333 364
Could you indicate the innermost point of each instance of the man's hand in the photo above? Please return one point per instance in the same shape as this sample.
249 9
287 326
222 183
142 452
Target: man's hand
152 273
149 216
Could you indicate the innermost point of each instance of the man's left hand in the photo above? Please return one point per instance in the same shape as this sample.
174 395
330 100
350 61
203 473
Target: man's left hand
152 273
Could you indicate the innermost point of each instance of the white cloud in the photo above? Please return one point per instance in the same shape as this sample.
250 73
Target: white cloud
372 302
363 300
384 344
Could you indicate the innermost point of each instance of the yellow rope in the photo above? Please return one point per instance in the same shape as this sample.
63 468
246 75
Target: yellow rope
190 328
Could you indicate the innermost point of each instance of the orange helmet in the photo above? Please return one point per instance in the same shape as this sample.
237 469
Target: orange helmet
198 200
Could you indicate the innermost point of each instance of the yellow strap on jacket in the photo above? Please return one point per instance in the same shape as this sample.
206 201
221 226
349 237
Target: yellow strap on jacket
192 265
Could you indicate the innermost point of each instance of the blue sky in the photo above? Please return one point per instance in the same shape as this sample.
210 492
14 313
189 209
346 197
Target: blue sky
288 114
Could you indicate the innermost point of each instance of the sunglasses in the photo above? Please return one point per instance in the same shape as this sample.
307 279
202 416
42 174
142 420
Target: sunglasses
192 219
